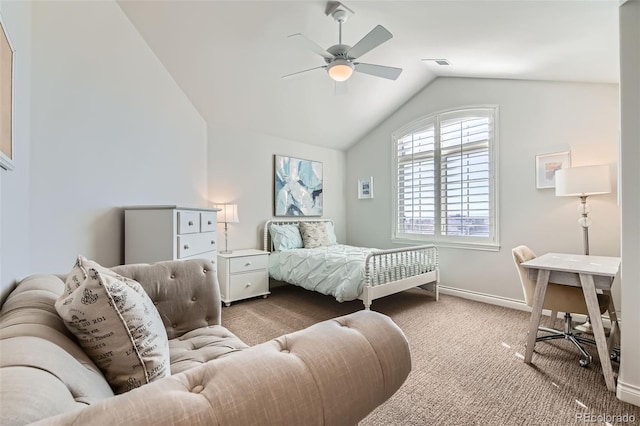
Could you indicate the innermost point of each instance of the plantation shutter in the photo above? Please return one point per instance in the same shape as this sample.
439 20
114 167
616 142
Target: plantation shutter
465 175
416 182
445 186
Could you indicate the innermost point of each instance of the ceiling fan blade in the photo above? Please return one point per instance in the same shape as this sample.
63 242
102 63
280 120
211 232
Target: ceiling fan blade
375 38
391 73
300 72
311 45
341 88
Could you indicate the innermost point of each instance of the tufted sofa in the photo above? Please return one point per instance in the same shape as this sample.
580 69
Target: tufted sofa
332 373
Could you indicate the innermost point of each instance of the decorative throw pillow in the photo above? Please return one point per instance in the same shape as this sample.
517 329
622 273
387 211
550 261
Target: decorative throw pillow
116 324
314 234
285 237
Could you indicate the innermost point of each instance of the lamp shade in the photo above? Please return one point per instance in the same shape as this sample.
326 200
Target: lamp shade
586 180
228 213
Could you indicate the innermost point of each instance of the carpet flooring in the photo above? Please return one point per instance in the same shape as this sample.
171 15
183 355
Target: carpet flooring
467 366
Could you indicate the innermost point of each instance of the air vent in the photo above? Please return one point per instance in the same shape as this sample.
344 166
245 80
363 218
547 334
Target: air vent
438 61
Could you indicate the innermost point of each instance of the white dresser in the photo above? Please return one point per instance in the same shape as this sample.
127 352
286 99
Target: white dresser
243 274
156 233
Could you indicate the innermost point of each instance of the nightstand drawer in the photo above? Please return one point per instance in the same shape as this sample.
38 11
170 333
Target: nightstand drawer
192 244
249 284
248 263
207 221
188 222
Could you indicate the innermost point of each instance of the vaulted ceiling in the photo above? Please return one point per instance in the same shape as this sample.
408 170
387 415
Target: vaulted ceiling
229 56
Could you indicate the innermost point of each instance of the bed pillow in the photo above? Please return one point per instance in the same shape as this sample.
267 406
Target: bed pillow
285 237
314 234
331 234
116 324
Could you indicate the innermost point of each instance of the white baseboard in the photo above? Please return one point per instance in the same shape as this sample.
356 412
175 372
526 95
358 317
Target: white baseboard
628 393
509 303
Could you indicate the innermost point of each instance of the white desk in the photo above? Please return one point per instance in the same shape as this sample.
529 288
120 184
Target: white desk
588 272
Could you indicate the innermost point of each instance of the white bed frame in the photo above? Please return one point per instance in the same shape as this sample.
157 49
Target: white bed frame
386 271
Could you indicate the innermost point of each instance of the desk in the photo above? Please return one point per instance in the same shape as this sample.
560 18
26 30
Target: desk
588 272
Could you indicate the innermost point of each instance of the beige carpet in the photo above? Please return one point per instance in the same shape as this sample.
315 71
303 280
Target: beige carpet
466 364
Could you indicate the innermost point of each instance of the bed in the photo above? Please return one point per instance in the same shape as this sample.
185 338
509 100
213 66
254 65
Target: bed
346 272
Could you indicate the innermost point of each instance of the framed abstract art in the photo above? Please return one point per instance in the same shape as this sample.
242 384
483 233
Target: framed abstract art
547 165
297 187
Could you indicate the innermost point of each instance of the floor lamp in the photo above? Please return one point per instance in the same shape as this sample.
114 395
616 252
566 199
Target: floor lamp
228 214
582 182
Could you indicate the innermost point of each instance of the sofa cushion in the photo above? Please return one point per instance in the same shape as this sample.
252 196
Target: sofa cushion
201 345
116 324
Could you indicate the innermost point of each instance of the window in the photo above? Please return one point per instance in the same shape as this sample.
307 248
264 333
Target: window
445 185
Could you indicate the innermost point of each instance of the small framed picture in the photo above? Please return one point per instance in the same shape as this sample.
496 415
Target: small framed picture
547 165
365 187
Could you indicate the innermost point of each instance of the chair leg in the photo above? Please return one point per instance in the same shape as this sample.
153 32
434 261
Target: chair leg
568 334
587 357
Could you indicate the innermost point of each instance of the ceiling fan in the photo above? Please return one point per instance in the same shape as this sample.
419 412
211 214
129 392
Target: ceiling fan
341 59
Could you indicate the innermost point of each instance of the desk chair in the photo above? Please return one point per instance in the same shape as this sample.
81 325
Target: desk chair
558 298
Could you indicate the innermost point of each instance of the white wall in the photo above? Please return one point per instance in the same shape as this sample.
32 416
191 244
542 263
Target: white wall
15 185
629 377
241 171
534 118
109 127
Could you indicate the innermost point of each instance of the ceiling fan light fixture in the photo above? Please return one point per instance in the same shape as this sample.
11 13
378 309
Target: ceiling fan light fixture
340 69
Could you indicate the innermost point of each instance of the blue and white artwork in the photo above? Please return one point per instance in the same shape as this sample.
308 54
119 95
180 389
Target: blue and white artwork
298 187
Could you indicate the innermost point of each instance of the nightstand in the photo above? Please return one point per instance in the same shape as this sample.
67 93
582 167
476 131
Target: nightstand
243 274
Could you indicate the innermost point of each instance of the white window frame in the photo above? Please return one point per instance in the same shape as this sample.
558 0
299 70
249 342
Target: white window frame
492 242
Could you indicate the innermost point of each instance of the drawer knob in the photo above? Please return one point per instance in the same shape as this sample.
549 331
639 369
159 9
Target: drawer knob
247 264
212 242
190 223
248 284
186 246
209 222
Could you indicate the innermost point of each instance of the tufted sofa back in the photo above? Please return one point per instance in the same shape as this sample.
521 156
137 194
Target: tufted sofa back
189 297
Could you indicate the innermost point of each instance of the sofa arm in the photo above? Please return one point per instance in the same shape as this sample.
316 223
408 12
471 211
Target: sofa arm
332 373
186 293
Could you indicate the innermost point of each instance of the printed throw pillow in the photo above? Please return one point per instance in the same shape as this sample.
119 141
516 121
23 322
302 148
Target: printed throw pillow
285 237
314 234
116 324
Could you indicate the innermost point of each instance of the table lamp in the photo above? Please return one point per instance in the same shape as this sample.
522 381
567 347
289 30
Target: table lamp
582 182
228 214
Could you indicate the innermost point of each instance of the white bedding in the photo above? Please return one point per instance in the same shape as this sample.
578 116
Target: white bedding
337 270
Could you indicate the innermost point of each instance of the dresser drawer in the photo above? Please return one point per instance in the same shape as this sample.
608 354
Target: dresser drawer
192 244
248 263
188 222
211 256
248 284
207 221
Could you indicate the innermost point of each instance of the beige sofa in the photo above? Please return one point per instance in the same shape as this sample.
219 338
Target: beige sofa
332 373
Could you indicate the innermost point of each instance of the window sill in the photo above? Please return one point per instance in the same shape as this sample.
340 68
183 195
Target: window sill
449 244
